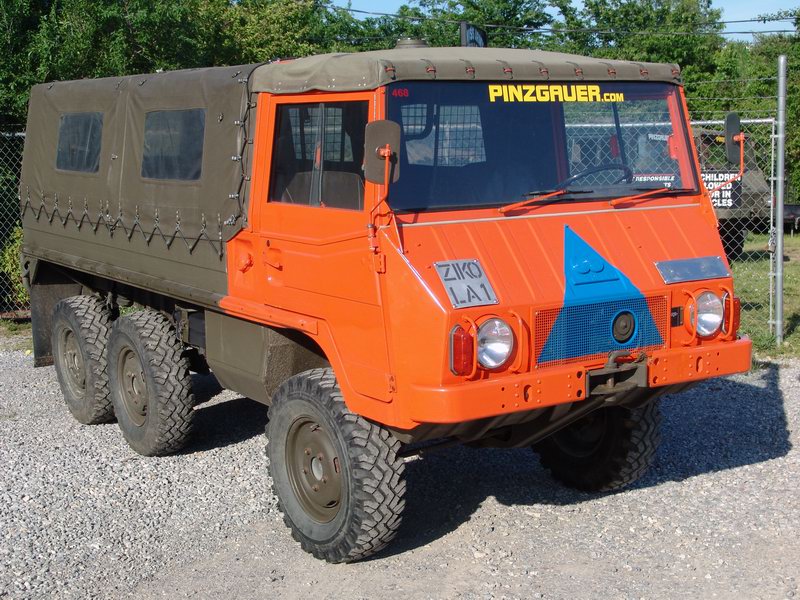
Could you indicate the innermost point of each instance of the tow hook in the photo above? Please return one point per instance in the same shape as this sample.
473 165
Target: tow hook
622 372
618 357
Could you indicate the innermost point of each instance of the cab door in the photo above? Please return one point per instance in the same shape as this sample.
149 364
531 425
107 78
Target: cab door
312 226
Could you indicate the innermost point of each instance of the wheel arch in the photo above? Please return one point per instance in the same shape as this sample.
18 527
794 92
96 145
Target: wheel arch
255 359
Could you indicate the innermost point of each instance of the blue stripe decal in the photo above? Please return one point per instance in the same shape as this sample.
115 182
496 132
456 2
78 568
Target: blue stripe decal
596 292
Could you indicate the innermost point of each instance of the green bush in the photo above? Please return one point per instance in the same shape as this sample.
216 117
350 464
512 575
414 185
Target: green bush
9 266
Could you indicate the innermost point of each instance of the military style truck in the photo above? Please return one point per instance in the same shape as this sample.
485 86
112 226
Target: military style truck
396 251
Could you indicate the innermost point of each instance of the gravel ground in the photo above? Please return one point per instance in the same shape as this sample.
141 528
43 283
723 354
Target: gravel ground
719 516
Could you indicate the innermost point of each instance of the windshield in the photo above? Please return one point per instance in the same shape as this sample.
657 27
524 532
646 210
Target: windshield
469 144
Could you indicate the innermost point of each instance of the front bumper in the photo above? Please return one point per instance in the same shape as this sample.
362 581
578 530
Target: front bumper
681 365
472 400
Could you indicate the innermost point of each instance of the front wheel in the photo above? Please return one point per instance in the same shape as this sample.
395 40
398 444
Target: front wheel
338 478
605 450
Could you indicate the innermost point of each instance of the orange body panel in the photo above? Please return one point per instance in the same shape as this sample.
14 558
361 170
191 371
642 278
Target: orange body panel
311 265
682 365
384 320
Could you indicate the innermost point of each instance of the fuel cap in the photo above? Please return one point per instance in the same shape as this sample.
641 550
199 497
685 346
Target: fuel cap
623 327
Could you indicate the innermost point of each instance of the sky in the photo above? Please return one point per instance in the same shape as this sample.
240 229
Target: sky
731 10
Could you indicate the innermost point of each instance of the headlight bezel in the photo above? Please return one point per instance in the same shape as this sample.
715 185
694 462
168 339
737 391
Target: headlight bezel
696 316
499 360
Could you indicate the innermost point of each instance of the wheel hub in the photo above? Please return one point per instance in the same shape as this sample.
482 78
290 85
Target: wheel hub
314 469
583 438
74 365
134 387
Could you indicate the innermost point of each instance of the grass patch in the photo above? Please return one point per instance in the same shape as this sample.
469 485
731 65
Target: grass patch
15 335
15 327
752 279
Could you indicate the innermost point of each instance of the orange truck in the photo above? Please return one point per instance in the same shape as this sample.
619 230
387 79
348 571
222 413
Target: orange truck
396 251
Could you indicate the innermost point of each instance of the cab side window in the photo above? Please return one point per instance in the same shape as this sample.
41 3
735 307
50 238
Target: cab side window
318 152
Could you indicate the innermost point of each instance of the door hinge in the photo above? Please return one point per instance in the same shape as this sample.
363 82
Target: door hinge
379 260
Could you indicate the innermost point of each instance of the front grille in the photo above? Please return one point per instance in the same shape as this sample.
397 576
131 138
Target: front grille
583 332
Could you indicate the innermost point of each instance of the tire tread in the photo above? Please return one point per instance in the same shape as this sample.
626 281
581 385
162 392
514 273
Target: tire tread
379 490
631 456
95 321
170 367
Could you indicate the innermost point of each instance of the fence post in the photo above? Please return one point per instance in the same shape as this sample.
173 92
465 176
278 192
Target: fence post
780 185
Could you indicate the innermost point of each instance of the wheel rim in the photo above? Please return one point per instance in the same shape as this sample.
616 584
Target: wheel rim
132 385
314 469
584 437
73 361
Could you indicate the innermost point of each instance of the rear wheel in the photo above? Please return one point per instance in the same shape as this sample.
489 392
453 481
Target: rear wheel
150 383
81 326
606 450
337 476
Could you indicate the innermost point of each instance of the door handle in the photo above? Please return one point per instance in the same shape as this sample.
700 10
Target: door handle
273 257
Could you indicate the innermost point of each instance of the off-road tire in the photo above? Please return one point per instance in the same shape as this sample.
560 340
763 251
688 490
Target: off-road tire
625 452
167 393
89 321
372 475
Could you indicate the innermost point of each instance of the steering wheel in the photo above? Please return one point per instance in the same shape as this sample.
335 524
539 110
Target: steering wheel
627 173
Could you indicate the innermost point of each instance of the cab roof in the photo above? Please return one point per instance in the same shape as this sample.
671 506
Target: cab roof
369 70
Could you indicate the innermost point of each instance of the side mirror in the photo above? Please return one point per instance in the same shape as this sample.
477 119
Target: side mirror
377 136
733 129
734 149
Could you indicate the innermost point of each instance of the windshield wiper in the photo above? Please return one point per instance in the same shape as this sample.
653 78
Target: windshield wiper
664 191
540 195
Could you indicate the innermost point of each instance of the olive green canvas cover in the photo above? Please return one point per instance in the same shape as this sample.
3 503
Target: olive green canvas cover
369 70
115 221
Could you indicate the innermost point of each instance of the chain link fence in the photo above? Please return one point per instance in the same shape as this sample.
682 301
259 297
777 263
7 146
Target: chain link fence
13 297
745 208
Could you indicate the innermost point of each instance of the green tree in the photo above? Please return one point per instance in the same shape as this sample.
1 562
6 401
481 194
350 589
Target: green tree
269 29
643 30
68 39
19 21
763 59
505 21
86 38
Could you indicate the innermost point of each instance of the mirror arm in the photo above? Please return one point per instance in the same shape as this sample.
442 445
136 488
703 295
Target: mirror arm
385 152
738 138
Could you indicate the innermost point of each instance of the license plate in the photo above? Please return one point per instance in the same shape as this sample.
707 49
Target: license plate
466 283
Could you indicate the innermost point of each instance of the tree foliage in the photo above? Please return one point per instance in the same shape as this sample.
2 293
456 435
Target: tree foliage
16 294
621 30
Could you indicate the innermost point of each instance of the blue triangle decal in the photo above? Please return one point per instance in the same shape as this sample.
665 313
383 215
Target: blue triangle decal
596 292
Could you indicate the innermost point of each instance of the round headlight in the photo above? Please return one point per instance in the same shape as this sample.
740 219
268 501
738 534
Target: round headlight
709 312
495 343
